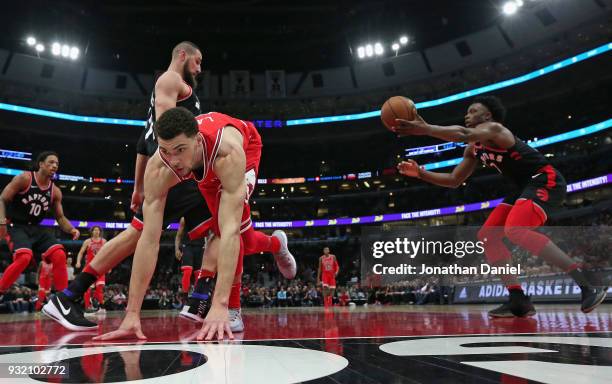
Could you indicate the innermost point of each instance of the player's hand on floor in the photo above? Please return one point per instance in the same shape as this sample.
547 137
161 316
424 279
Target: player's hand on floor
216 323
129 328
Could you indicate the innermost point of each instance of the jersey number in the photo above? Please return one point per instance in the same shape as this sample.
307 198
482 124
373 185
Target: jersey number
35 210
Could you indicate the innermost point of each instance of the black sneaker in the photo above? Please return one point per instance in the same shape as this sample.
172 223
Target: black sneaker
501 311
199 302
68 313
592 297
518 305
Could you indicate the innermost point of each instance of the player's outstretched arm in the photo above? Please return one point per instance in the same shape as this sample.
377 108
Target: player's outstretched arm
456 133
460 173
158 180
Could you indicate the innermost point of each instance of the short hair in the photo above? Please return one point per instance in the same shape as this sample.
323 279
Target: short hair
43 157
186 46
494 105
175 121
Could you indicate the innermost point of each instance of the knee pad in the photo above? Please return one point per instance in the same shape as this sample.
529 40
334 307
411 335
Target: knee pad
526 238
23 256
55 254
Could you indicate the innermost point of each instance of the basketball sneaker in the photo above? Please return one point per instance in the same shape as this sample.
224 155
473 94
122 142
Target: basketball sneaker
592 297
518 305
68 313
235 317
284 259
199 302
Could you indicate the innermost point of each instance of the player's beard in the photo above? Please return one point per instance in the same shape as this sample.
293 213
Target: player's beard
188 77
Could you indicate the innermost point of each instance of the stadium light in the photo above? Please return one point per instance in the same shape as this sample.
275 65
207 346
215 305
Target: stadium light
361 52
395 47
369 50
519 3
40 48
403 40
510 8
74 53
65 50
31 40
378 49
56 49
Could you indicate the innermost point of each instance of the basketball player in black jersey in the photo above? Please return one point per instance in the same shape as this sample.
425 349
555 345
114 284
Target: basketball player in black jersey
174 88
30 196
542 189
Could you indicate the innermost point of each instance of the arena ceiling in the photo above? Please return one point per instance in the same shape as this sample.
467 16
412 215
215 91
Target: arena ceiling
252 34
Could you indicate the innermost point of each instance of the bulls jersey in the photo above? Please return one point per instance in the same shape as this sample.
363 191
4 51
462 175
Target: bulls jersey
329 264
147 145
33 204
211 127
93 248
518 163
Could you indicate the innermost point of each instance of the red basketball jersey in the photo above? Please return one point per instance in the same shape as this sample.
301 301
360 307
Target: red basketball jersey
93 248
329 264
211 126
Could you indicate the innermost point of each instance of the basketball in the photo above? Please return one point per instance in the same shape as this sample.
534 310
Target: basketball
397 107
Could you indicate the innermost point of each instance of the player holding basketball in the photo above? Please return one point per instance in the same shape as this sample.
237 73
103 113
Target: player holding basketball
542 190
91 247
30 196
326 275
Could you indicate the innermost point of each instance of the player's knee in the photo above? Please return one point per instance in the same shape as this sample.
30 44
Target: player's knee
57 256
515 234
23 256
484 233
131 235
489 233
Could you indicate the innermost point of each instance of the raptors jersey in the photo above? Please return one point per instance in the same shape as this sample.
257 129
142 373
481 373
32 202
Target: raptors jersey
93 248
33 204
148 143
329 265
517 163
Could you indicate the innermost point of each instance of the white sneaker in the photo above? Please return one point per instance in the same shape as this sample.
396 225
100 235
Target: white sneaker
235 317
284 259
